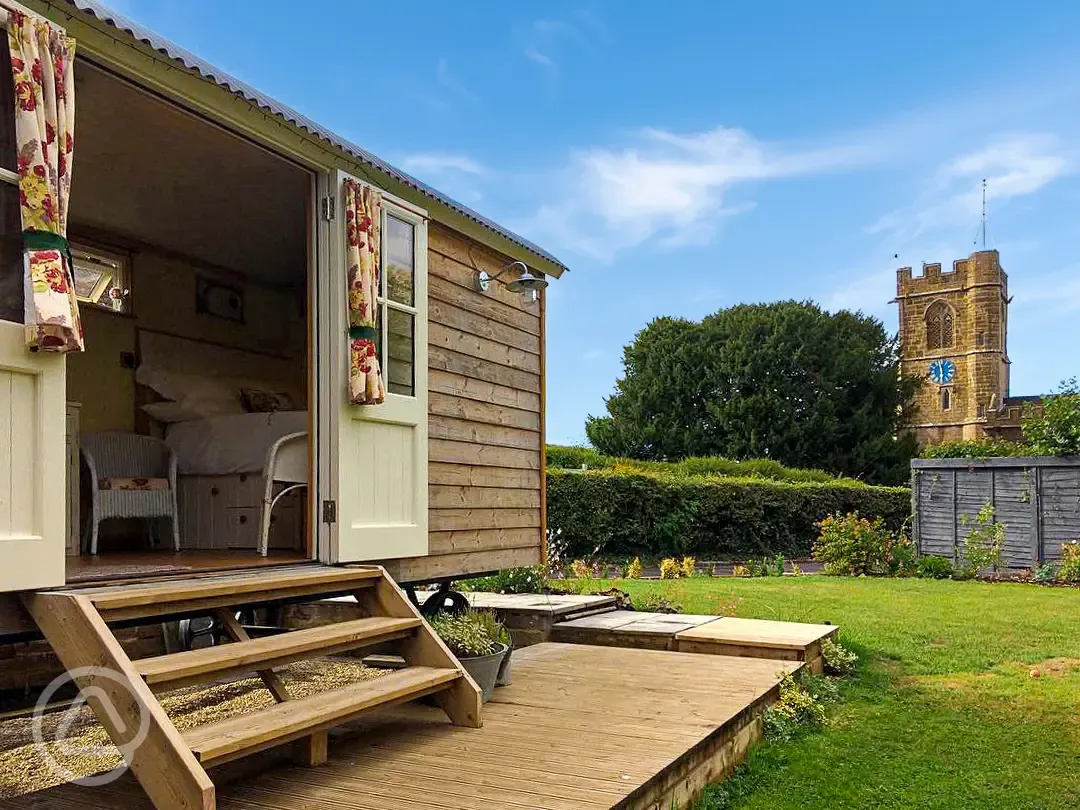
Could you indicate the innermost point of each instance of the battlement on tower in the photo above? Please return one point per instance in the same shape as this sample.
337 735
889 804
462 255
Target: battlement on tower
981 267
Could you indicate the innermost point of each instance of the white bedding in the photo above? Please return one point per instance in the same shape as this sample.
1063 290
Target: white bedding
231 443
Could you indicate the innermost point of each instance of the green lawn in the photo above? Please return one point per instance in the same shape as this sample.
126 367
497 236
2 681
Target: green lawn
943 711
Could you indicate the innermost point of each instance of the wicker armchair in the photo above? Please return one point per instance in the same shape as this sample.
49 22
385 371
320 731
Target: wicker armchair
131 476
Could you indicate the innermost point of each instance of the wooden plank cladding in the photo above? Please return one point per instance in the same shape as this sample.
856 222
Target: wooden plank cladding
485 424
461 430
467 388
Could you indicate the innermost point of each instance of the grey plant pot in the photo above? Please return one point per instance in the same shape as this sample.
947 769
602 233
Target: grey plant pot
504 678
484 669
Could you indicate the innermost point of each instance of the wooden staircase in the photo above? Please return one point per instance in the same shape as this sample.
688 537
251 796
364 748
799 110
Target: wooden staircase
170 765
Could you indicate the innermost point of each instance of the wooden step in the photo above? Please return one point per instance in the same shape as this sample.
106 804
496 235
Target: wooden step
247 734
210 663
185 596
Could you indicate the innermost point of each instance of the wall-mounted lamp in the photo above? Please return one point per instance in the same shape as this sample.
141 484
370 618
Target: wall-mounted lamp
527 284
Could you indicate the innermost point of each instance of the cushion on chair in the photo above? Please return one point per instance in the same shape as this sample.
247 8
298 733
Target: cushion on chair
137 484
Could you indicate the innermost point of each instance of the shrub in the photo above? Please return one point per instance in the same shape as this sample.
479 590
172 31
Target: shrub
634 569
622 513
765 567
1069 567
985 447
577 458
581 569
984 544
670 569
930 567
850 545
796 707
469 634
509 580
740 571
688 567
1055 431
1045 572
839 660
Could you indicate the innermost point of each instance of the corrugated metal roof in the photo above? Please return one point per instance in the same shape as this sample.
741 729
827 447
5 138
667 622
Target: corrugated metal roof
249 93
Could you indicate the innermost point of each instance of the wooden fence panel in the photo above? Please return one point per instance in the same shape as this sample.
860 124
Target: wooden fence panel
1012 507
934 512
1036 499
1060 496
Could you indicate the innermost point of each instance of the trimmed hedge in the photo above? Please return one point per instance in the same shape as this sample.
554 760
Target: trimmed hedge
576 458
618 513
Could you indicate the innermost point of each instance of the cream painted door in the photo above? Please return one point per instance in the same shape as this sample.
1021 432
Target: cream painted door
33 492
377 471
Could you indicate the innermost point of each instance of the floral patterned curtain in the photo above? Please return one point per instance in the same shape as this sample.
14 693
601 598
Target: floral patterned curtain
362 207
42 61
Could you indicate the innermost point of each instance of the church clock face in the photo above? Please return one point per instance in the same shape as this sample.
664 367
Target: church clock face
942 371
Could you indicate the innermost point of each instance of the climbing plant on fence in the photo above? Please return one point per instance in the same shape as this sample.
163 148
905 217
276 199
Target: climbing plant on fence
621 513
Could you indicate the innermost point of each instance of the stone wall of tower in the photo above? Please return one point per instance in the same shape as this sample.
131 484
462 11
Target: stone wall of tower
976 291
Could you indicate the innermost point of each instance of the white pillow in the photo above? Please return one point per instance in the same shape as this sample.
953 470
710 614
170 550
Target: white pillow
170 412
199 394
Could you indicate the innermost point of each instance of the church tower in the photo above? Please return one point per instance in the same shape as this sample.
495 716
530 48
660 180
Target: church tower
953 328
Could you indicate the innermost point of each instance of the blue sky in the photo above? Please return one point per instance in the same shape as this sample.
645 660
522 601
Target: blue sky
688 157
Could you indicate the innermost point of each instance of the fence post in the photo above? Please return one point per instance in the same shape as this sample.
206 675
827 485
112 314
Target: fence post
915 510
955 528
1036 518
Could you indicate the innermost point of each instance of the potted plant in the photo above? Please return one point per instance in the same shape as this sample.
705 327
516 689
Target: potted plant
479 641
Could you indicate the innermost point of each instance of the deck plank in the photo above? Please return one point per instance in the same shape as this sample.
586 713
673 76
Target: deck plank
580 728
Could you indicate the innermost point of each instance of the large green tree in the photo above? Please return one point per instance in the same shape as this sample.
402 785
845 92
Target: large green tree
787 381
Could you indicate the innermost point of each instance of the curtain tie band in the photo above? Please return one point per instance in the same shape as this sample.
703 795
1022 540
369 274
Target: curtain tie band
46 240
363 333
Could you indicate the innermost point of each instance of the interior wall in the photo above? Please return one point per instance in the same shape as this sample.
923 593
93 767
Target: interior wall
97 378
163 299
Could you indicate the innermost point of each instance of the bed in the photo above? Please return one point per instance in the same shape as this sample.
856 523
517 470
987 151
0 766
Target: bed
231 443
196 395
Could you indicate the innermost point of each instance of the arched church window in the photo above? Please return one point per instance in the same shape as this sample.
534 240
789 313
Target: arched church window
939 326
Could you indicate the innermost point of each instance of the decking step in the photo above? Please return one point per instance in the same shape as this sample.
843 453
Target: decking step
207 664
176 597
247 734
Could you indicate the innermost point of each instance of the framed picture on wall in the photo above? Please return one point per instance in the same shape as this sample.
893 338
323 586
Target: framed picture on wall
219 300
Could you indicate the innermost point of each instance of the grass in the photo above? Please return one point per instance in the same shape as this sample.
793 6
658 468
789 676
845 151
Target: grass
942 713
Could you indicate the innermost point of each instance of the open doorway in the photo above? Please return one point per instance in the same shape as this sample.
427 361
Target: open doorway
192 256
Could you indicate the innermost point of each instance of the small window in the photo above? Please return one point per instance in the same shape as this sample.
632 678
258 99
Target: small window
102 278
982 410
980 338
946 399
397 305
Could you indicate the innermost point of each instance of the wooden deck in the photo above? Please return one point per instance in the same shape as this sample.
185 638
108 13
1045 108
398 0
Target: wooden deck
118 566
581 727
712 635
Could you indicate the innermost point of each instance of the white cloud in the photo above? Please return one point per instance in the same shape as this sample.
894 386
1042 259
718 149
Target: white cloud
1013 165
441 163
448 81
668 186
545 37
1047 295
540 58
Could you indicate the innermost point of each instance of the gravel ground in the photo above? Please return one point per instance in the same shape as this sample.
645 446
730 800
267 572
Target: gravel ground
86 749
